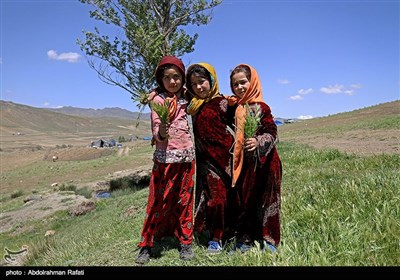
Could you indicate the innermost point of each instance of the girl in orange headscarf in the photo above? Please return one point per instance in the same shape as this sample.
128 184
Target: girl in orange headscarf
257 168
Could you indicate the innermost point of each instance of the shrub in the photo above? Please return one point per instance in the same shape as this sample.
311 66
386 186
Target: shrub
86 192
17 193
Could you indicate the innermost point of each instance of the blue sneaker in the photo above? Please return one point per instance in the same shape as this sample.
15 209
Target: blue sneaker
243 247
214 247
268 246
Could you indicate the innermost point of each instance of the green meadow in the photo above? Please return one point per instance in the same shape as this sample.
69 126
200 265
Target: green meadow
338 209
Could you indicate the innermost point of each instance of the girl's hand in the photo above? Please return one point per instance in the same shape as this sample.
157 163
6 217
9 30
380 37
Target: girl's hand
163 130
250 144
151 95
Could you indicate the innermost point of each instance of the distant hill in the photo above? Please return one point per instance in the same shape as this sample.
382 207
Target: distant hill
24 126
22 117
370 130
114 112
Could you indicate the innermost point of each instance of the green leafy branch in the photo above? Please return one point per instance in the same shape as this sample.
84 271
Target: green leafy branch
252 120
162 110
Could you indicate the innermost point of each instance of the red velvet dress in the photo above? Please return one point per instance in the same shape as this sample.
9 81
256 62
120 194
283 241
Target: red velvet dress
169 210
259 187
213 165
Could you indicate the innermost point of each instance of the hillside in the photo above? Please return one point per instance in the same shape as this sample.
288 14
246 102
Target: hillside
371 130
114 112
24 127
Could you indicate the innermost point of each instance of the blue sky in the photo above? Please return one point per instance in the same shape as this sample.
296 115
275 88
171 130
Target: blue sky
314 58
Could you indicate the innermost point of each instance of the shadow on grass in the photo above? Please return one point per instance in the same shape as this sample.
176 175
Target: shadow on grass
129 183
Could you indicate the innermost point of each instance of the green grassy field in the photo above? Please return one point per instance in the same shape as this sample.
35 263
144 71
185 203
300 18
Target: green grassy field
337 210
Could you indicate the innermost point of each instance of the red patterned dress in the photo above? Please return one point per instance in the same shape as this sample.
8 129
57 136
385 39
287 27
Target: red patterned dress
213 162
259 186
169 210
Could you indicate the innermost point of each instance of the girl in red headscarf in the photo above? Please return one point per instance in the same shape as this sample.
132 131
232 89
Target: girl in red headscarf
257 168
171 191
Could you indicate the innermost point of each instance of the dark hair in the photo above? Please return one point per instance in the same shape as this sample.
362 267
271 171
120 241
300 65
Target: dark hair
160 73
240 69
199 71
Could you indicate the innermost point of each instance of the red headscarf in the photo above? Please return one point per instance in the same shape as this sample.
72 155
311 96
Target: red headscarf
172 98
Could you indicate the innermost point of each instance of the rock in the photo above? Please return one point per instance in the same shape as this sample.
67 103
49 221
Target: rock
50 232
83 208
32 197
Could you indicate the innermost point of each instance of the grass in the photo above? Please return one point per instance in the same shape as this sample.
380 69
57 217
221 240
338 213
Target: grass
40 174
379 117
338 209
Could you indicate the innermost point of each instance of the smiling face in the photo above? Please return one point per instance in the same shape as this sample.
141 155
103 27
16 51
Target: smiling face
239 83
172 79
200 86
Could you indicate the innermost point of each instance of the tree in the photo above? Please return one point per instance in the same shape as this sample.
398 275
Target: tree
148 30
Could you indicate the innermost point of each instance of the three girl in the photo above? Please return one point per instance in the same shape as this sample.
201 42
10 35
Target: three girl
239 193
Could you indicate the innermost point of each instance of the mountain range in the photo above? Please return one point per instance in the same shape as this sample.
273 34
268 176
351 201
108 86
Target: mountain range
113 112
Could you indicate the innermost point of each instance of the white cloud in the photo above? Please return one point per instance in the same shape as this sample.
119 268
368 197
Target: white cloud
46 104
69 57
301 93
296 97
305 91
283 81
337 89
349 92
332 89
306 117
356 86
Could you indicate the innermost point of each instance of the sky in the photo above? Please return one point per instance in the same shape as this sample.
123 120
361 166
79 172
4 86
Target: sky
314 58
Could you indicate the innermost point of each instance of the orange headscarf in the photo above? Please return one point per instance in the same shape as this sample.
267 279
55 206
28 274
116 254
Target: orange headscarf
252 95
196 102
171 98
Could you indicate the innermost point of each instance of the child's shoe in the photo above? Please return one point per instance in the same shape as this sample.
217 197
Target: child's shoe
243 247
186 252
268 246
214 247
144 255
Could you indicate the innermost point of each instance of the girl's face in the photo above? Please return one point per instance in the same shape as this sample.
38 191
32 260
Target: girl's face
172 80
200 86
240 84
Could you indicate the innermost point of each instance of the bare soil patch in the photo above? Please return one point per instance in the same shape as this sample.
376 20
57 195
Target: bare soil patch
362 142
41 206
